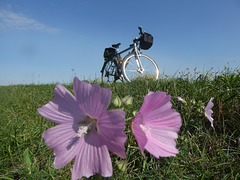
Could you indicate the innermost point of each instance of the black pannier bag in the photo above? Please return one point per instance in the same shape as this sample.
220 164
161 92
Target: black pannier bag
109 52
146 41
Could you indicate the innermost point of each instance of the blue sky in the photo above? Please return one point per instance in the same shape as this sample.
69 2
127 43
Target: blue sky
51 41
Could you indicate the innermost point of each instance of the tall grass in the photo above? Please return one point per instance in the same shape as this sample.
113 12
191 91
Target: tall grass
204 152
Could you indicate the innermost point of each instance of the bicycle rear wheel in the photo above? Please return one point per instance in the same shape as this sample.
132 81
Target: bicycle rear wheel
131 71
110 71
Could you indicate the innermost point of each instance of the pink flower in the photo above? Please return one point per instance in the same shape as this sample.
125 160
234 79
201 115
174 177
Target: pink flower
180 99
86 131
208 111
156 125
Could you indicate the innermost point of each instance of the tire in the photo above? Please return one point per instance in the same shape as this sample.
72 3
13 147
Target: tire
130 69
110 72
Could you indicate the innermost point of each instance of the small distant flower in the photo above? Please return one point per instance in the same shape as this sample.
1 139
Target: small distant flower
208 111
156 125
181 100
86 131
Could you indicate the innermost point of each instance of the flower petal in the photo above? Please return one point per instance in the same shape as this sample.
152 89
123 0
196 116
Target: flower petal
155 101
139 134
93 157
210 104
208 111
110 129
63 109
92 99
158 149
161 142
169 118
62 138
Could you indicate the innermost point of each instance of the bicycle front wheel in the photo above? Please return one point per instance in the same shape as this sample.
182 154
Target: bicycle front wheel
132 68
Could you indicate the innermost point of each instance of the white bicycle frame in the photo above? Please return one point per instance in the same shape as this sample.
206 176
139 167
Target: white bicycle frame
137 54
139 64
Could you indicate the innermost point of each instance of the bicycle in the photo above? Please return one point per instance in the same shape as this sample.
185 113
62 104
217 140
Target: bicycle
135 64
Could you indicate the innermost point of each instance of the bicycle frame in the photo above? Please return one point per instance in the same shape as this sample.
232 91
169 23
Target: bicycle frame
136 51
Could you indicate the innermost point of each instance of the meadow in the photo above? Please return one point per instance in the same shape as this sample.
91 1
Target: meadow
204 152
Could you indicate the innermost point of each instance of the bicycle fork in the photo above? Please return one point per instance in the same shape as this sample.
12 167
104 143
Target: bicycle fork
139 64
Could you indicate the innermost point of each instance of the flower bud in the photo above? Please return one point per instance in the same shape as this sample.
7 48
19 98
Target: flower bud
181 100
127 100
117 102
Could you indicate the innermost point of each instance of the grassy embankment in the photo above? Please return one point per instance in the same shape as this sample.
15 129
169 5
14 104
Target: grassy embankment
204 153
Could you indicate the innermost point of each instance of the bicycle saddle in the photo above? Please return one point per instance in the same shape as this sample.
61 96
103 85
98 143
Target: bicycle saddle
116 45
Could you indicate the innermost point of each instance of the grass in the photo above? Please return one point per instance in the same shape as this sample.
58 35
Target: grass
204 152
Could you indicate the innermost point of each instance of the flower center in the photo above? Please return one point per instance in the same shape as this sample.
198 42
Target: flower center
86 126
82 131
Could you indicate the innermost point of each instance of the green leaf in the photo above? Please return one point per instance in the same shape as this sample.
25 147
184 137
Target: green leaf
27 158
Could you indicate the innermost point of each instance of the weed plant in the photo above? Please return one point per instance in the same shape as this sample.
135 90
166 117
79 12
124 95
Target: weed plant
204 152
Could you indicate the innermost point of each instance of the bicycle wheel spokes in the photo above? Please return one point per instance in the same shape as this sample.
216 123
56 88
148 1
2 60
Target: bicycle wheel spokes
132 70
